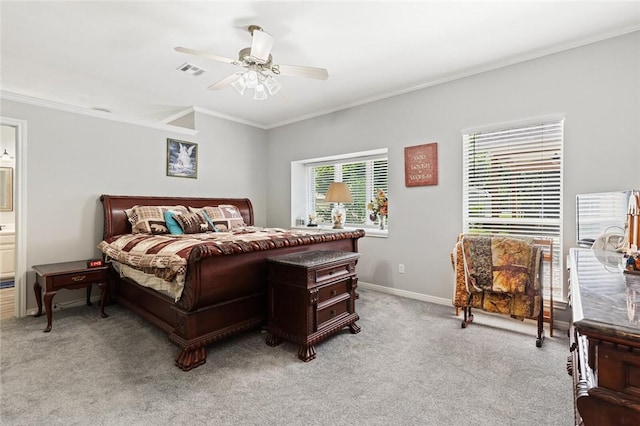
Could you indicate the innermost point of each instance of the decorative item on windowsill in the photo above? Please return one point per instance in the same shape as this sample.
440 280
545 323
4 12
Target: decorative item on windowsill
379 208
312 219
632 264
338 193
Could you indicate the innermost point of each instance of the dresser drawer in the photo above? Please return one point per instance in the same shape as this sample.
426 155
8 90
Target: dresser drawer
331 273
333 290
332 312
66 280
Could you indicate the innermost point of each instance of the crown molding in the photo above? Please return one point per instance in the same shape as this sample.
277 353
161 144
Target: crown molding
45 103
229 117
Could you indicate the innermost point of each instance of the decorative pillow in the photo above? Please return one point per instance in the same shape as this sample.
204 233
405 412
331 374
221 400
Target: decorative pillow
206 216
172 224
224 217
193 223
150 219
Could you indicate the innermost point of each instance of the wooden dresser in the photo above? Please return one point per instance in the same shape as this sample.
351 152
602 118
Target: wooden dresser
311 296
604 339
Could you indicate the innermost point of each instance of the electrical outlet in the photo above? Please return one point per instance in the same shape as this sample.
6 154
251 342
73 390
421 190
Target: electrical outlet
401 268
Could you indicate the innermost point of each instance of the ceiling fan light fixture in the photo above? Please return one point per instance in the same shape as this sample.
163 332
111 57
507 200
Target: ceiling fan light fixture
272 85
251 79
239 84
259 94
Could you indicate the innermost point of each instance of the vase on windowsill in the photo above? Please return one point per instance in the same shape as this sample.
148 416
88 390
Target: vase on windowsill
382 220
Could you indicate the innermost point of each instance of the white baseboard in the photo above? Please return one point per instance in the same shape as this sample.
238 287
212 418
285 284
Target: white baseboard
405 293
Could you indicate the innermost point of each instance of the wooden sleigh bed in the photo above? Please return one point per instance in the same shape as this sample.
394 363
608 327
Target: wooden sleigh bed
225 284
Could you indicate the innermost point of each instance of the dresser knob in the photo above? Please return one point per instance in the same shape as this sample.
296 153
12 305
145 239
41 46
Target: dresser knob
332 312
334 292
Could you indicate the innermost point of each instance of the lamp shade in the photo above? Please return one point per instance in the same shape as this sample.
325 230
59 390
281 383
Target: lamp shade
338 192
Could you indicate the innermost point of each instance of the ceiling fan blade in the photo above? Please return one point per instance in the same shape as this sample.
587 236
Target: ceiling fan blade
261 45
225 81
298 71
207 55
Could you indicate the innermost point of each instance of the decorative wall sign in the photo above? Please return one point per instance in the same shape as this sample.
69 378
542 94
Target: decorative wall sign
421 165
182 159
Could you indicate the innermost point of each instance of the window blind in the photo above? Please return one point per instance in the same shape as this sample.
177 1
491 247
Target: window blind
512 185
599 213
364 177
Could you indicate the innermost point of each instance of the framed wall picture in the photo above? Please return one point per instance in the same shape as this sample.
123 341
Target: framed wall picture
182 158
421 165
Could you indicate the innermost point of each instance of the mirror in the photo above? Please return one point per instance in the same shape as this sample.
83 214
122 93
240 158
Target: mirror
6 189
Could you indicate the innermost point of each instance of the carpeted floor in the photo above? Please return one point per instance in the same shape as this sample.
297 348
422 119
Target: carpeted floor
412 364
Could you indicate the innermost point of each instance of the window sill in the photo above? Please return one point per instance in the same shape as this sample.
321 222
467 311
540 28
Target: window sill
376 233
369 232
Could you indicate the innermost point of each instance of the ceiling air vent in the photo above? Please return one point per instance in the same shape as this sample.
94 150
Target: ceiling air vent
190 69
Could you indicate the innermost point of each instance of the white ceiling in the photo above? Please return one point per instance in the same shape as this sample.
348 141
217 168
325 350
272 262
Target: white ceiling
120 55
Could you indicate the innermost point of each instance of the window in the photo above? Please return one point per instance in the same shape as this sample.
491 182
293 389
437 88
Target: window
512 184
364 175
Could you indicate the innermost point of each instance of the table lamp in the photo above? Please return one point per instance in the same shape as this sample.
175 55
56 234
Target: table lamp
338 193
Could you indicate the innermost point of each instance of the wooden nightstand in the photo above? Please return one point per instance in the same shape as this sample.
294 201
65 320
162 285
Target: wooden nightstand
311 296
70 275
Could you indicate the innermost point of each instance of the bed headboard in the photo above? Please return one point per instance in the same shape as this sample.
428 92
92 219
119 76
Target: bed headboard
115 219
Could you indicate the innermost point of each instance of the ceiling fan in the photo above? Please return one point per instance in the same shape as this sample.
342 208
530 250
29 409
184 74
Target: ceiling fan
260 69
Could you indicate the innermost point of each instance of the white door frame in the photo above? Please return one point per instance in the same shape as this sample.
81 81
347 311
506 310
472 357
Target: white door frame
20 297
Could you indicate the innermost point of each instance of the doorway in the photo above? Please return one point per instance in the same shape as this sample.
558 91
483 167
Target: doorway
7 221
12 218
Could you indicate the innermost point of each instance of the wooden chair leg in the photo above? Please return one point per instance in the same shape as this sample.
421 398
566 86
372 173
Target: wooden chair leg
540 338
468 317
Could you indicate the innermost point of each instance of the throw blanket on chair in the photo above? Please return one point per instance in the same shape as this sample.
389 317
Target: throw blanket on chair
498 274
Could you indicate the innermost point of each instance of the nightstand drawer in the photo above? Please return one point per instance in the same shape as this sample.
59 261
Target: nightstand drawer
332 273
332 312
63 281
333 290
